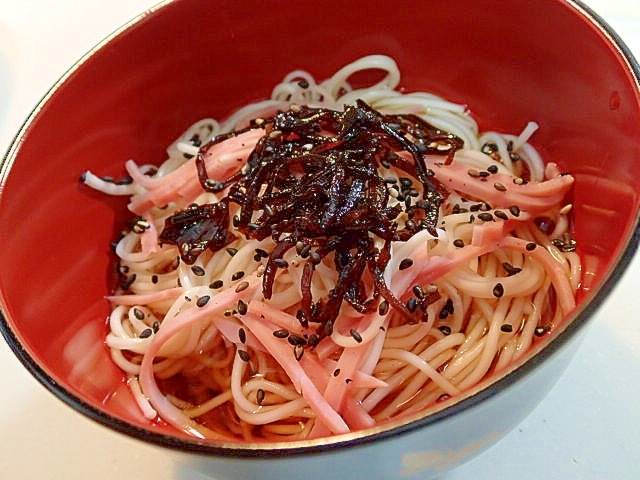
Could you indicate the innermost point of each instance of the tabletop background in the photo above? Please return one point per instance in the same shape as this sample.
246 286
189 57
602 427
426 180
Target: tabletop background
587 428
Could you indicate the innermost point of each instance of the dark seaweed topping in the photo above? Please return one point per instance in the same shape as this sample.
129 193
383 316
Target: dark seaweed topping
312 183
197 228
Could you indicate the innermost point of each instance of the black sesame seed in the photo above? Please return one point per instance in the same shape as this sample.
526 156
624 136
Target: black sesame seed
154 279
216 284
492 169
541 330
281 263
510 269
296 340
244 355
418 292
261 253
146 333
260 396
232 251
214 185
304 251
356 336
301 316
405 263
336 372
515 210
348 380
242 307
444 313
485 217
458 243
237 275
405 182
202 301
282 333
155 327
530 246
139 314
383 308
507 328
449 305
242 335
500 214
412 304
445 329
198 271
489 148
315 258
128 281
242 286
498 290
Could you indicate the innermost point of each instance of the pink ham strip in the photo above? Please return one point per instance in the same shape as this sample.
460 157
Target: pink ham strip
221 160
146 298
360 379
485 239
352 412
230 328
534 197
279 318
283 353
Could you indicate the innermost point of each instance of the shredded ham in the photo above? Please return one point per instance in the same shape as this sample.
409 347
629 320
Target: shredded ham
221 159
533 197
146 298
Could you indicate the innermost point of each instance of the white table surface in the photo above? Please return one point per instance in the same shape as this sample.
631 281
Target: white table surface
587 428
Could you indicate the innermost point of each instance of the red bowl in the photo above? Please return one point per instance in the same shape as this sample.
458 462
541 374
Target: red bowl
559 65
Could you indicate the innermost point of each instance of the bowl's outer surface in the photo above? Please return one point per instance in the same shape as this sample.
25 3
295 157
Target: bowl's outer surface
132 97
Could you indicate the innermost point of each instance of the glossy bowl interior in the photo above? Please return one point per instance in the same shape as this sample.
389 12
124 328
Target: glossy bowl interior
189 59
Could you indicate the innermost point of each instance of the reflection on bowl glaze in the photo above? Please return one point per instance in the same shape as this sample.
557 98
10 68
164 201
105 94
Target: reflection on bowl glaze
419 462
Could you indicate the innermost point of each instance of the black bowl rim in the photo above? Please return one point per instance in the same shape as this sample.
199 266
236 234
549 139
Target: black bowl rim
277 450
